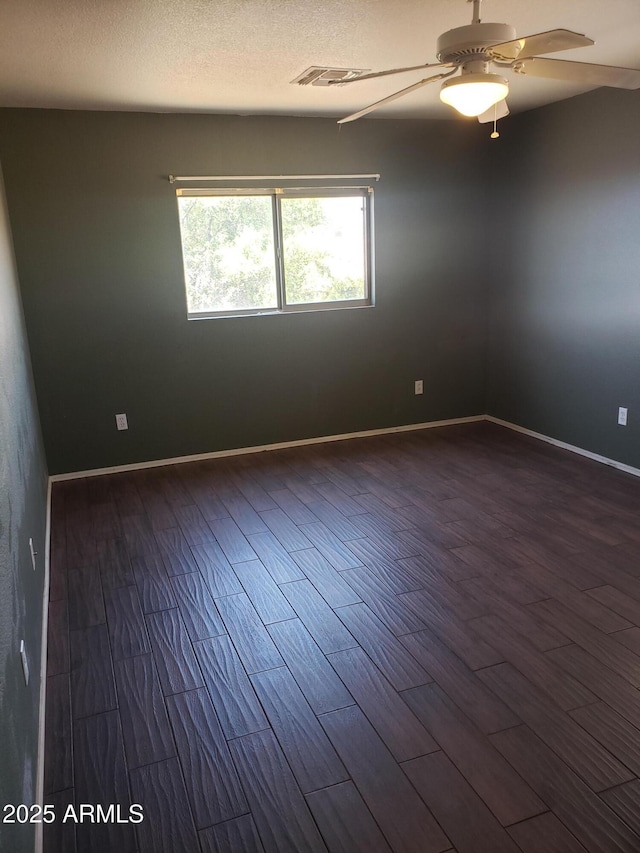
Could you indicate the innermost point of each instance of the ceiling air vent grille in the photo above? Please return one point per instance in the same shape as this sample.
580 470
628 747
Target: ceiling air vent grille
320 75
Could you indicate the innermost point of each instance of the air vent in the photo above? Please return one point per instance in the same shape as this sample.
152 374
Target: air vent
320 75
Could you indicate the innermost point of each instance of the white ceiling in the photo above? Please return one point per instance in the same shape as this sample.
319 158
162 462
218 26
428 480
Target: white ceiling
239 56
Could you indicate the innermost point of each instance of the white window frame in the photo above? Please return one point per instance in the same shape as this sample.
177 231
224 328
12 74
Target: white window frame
278 193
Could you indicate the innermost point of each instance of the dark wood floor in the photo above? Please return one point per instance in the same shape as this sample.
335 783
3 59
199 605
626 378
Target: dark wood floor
421 642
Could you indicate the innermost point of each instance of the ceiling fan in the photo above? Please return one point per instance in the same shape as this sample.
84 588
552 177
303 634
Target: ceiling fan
473 49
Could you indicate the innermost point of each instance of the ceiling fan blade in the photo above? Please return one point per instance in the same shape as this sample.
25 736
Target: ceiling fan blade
395 96
579 72
375 74
497 111
549 42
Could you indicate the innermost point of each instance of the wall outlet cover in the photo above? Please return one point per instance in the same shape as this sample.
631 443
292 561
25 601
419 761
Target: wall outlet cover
121 421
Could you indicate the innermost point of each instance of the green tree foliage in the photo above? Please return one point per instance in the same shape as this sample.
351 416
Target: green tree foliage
230 258
316 269
227 247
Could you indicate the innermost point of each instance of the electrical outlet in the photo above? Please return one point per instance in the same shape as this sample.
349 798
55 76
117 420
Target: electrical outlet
622 416
418 386
33 553
25 662
121 421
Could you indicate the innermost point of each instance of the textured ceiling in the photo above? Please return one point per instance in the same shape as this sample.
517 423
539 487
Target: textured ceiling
239 56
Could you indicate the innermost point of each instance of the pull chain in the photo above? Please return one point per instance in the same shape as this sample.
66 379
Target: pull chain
495 133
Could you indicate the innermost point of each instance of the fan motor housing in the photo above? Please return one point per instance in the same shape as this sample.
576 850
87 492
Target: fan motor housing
471 42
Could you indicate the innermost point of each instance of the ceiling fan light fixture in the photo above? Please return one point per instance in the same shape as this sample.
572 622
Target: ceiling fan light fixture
473 94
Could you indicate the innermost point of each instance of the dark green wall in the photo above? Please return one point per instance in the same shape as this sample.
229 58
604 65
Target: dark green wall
97 243
564 337
22 515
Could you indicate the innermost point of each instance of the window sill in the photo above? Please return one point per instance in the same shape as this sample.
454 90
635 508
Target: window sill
275 312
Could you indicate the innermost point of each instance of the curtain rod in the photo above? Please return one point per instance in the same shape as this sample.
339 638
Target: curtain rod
174 178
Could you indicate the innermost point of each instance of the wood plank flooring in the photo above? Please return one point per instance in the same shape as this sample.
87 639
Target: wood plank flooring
427 641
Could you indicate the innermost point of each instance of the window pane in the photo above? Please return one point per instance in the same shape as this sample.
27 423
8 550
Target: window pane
228 252
324 249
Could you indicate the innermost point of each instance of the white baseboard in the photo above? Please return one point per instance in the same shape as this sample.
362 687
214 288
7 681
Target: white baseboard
239 451
596 457
43 667
261 448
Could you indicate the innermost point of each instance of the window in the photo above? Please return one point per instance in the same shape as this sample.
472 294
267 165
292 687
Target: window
258 251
